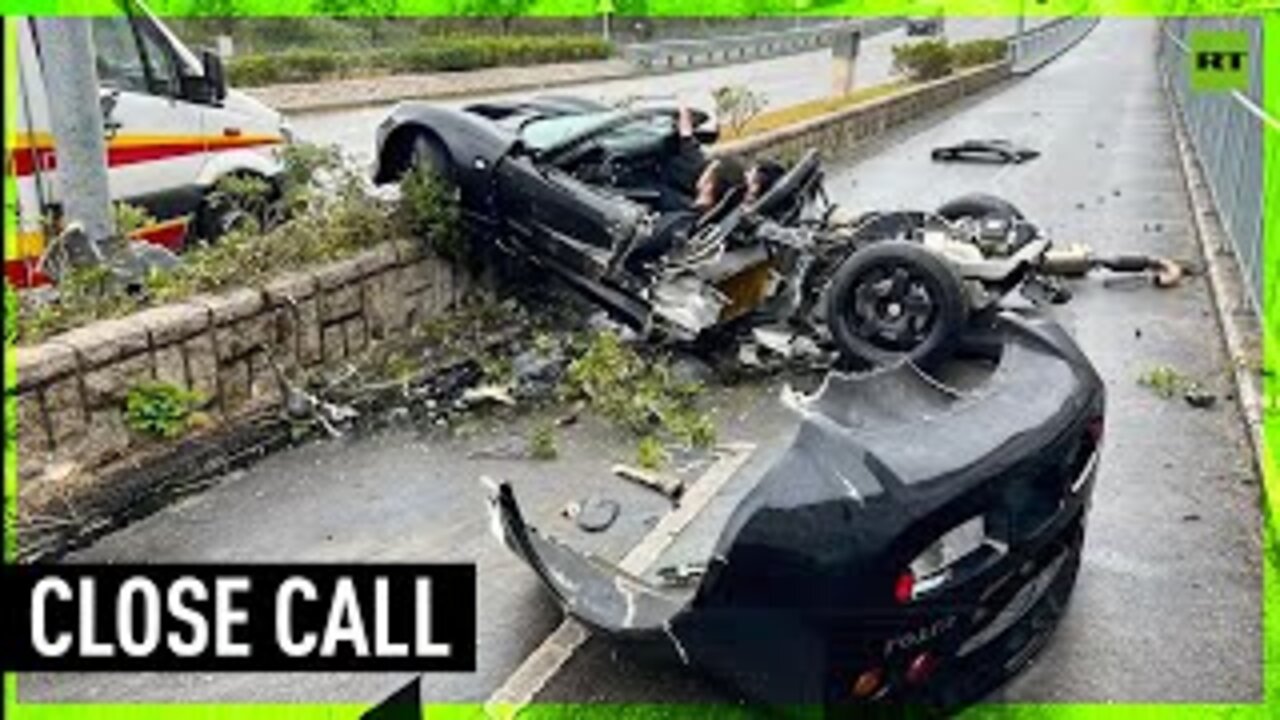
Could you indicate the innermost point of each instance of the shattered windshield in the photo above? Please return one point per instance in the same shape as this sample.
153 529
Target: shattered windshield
543 133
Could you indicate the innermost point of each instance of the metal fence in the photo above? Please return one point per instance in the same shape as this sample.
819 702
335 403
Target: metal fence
1038 45
1226 130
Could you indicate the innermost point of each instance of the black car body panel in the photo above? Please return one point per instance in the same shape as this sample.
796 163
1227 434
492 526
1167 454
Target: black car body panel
998 150
799 592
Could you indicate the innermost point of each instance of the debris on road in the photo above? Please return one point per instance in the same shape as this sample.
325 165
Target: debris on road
1168 383
596 514
671 487
992 150
682 575
482 394
1163 380
1199 398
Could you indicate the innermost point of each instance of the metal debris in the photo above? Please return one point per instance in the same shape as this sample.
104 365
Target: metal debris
672 487
682 575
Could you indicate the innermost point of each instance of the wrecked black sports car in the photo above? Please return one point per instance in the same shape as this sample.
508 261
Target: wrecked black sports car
579 189
862 568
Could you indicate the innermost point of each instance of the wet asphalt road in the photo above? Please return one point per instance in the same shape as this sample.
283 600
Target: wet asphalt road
1167 607
783 81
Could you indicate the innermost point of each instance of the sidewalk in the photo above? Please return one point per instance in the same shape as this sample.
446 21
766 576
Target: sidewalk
356 92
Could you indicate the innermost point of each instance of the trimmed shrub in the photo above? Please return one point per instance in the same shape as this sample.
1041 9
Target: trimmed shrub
292 66
927 60
978 52
435 54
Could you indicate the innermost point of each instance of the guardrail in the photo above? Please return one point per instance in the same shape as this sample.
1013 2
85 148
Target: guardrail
675 54
1226 131
1037 46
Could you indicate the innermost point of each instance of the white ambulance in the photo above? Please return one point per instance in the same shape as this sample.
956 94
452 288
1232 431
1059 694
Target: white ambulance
172 127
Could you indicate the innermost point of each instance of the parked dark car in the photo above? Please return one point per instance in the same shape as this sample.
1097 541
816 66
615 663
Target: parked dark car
913 543
924 25
580 189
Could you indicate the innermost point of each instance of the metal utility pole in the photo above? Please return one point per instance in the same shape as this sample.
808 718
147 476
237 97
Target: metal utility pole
76 119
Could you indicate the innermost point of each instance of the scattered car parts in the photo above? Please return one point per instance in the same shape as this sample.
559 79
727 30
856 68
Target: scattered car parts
994 150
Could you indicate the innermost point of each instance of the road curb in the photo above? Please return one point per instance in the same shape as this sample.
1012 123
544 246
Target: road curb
1211 235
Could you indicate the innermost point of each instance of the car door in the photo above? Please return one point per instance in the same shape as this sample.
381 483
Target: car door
156 145
563 217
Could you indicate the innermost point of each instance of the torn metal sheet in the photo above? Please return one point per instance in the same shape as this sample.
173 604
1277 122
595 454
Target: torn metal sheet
906 521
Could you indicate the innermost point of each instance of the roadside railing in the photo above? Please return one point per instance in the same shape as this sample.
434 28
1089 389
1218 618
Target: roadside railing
1037 46
1226 131
675 54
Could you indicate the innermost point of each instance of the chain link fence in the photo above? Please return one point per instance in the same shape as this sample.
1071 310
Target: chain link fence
1226 129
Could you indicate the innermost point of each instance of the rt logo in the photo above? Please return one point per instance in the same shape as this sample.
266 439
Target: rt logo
1219 61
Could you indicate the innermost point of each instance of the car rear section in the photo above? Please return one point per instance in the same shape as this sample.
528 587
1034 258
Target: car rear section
914 543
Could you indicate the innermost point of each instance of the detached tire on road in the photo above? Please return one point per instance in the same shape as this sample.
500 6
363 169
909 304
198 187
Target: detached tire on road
980 206
895 300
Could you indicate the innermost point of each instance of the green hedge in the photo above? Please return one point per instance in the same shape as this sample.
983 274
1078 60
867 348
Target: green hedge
978 52
431 55
933 59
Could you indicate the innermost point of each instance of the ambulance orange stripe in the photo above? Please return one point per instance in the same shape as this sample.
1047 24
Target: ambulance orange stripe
131 150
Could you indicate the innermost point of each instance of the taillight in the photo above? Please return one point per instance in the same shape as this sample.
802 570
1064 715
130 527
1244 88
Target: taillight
932 568
904 588
921 668
1094 429
867 683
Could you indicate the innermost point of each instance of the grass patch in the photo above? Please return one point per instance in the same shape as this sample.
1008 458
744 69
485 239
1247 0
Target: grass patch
638 394
162 410
792 114
542 442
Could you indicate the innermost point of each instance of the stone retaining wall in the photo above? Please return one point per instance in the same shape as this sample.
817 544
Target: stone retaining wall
71 388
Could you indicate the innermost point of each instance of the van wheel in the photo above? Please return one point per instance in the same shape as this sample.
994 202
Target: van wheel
219 215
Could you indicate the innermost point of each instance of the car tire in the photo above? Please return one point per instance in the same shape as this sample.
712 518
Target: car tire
875 323
979 205
428 152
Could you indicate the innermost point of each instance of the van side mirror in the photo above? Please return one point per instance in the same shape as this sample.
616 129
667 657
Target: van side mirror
214 74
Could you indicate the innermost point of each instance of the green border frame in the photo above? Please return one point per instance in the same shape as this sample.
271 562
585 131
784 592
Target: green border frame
1268 10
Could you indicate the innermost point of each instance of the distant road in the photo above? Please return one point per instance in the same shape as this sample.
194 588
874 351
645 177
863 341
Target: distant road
783 81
